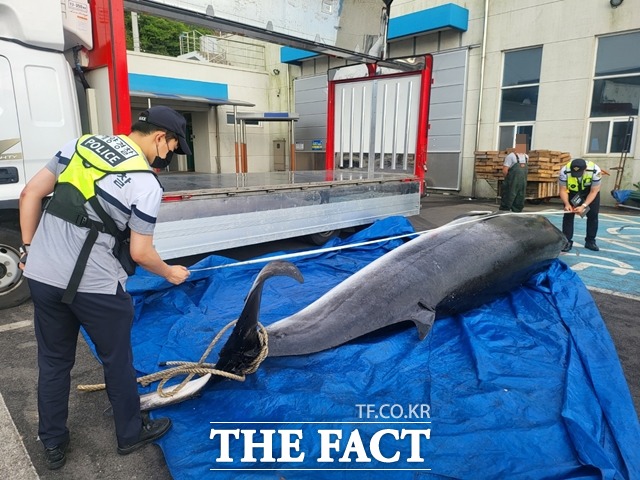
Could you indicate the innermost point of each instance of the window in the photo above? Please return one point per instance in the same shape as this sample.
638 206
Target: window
610 136
519 99
508 135
616 94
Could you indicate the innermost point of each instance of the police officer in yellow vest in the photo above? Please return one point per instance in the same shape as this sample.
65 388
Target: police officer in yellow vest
105 195
580 193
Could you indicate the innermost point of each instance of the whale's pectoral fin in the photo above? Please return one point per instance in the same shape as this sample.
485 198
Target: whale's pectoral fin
152 400
423 316
243 344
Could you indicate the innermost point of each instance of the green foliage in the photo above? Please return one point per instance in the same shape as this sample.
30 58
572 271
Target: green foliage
160 36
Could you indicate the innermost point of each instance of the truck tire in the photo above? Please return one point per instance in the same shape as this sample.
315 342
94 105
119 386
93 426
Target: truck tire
14 288
322 237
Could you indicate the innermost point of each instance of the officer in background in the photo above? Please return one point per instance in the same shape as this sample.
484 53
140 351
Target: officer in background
74 276
515 170
580 193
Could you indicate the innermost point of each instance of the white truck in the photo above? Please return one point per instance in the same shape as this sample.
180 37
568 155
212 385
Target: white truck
43 42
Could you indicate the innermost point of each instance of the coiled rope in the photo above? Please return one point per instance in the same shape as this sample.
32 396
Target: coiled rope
190 369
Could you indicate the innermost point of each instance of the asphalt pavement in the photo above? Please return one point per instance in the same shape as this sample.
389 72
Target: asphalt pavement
612 276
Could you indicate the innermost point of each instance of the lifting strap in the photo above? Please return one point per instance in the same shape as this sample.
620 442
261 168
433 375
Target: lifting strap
78 216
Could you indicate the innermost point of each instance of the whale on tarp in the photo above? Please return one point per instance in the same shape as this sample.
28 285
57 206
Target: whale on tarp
453 268
526 386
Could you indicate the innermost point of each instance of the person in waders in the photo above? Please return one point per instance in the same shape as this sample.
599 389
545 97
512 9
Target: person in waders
515 170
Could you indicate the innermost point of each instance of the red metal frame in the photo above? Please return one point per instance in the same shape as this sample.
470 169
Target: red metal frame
110 51
423 117
423 120
329 153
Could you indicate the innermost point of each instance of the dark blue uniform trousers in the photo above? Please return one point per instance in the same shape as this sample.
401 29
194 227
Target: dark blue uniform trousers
107 319
592 221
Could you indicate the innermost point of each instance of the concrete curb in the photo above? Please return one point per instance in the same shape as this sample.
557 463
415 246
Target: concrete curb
15 462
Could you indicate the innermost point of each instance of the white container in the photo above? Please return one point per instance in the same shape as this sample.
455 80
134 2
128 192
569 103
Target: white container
76 21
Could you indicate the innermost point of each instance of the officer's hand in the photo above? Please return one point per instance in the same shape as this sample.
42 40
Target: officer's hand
24 253
177 274
569 208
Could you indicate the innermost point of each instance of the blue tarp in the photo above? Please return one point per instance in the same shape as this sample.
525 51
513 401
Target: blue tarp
622 196
528 386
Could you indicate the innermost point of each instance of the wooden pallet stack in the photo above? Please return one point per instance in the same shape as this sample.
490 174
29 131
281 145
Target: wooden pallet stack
489 164
544 167
537 190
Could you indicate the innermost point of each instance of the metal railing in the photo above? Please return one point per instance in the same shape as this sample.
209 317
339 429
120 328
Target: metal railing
224 50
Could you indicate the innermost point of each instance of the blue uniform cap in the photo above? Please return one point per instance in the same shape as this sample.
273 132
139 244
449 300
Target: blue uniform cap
170 120
578 166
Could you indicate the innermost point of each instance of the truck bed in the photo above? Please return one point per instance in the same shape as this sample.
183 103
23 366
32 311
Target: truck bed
204 213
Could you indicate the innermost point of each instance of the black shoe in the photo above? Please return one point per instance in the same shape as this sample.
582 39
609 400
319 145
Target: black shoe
568 246
56 455
151 430
591 246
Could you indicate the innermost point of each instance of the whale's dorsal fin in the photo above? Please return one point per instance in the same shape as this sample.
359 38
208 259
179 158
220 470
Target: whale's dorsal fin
423 316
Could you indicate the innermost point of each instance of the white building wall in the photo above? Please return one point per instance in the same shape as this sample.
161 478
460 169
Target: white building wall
258 87
204 146
567 30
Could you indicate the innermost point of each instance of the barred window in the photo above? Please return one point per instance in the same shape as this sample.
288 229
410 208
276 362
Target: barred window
519 96
616 93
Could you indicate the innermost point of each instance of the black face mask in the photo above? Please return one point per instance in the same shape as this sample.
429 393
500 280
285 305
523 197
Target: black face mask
161 163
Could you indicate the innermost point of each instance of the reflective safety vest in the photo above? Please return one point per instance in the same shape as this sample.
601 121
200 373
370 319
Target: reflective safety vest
95 157
580 184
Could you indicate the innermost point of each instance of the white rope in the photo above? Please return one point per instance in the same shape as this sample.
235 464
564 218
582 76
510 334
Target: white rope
287 256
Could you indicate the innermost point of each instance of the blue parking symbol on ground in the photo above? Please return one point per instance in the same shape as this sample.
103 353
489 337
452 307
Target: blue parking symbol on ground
616 267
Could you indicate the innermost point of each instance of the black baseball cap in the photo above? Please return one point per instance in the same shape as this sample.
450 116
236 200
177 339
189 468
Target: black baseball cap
170 120
578 166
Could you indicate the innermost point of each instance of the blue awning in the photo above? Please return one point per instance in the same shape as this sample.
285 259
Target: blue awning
167 88
448 16
269 116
